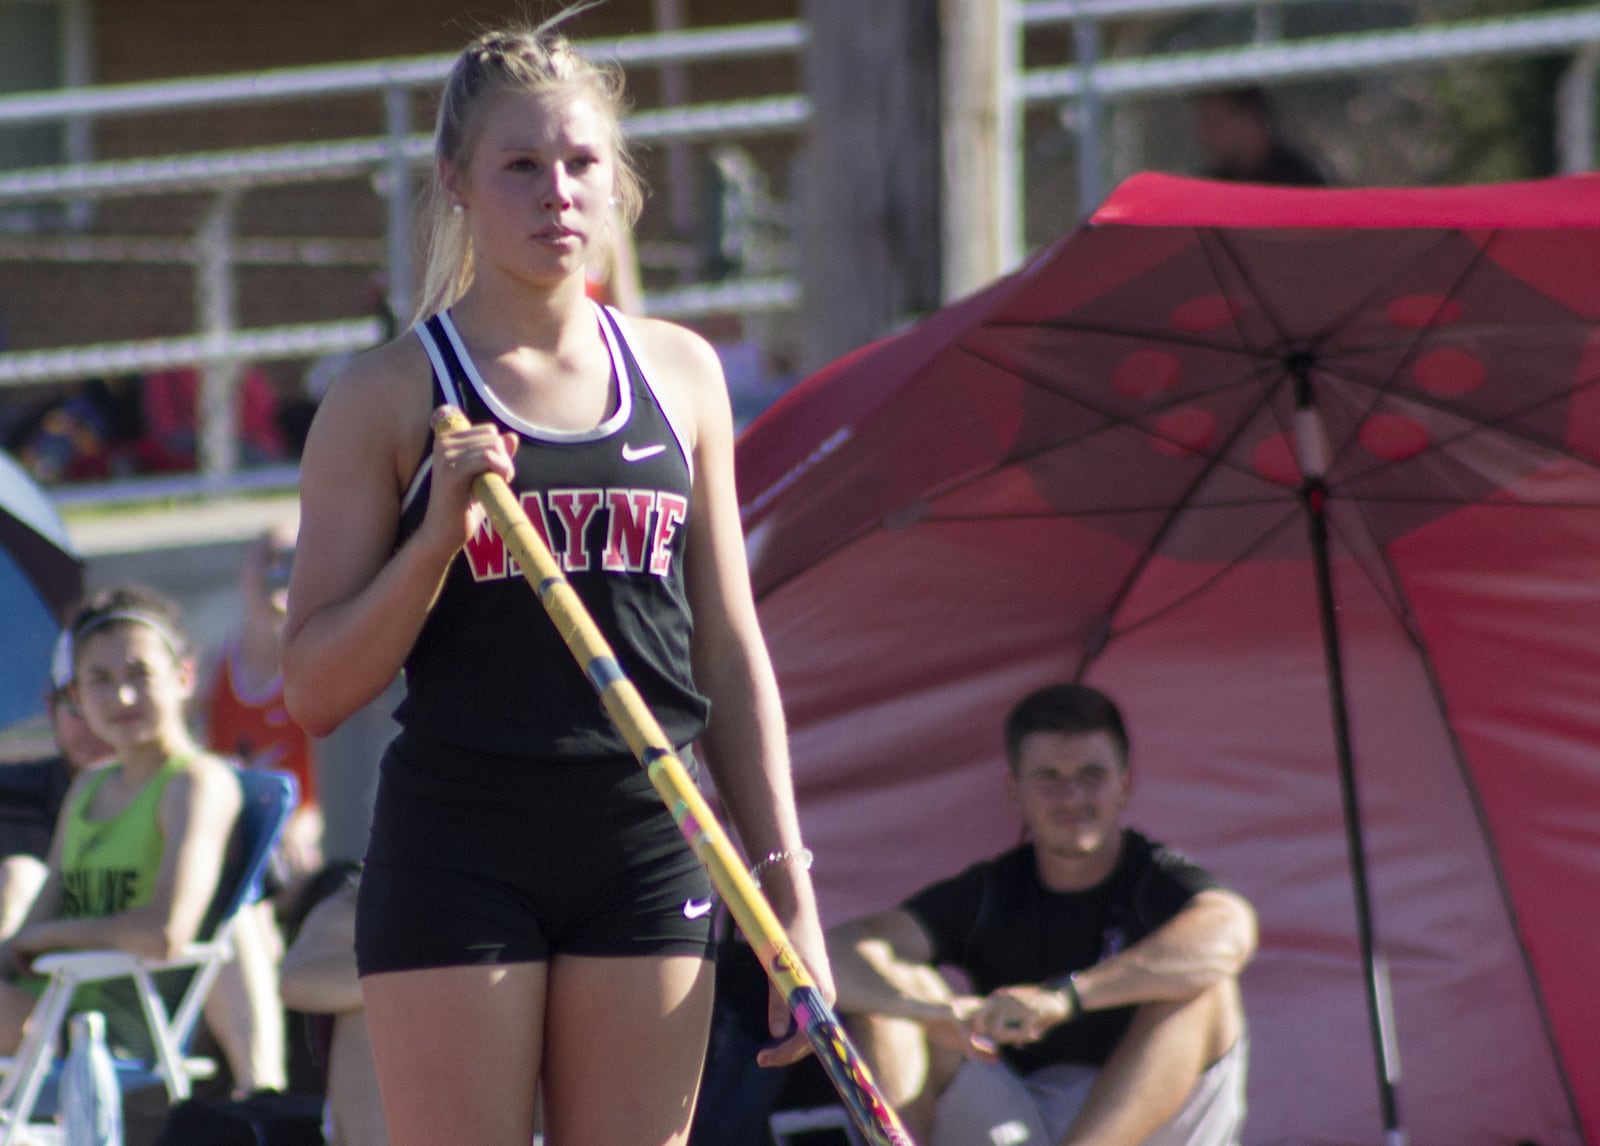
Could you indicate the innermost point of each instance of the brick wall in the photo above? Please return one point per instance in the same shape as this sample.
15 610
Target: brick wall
135 40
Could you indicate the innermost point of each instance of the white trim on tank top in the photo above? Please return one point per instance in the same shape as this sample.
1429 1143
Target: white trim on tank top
544 433
661 404
609 426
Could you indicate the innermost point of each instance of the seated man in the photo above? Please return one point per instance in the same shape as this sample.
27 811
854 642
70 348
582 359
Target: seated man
31 793
1104 967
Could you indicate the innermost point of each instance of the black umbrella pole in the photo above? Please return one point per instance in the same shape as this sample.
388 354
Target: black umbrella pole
1375 972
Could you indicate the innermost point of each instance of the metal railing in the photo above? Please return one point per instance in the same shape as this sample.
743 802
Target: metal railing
220 347
216 251
1092 80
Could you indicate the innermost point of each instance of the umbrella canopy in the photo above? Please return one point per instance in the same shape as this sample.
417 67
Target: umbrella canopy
40 578
1306 480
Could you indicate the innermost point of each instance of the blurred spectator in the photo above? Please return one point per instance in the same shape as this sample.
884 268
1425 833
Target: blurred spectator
31 792
243 708
88 432
347 774
171 420
319 978
112 428
1239 137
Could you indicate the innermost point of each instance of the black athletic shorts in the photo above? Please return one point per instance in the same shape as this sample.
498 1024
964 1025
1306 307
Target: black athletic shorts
478 858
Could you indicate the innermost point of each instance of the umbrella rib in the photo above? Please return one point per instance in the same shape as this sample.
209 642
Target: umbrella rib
1289 515
1106 511
1406 618
1182 504
1499 424
1221 239
1462 502
1256 376
1132 334
1386 387
1272 356
1147 554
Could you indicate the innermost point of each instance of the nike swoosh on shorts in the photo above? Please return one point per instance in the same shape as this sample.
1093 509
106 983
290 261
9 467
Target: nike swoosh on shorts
695 908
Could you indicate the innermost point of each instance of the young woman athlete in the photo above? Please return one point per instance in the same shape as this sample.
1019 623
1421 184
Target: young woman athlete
531 926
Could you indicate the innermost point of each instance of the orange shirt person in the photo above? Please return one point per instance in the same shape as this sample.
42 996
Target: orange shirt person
244 713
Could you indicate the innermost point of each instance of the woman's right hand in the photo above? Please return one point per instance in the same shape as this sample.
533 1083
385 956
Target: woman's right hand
459 456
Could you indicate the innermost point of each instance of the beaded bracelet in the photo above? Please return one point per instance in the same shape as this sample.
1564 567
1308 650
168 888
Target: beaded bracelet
773 859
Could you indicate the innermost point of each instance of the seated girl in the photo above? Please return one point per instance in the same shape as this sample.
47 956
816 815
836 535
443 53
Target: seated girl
136 855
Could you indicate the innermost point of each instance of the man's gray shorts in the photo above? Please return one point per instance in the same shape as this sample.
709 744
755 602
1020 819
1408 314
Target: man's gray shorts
988 1104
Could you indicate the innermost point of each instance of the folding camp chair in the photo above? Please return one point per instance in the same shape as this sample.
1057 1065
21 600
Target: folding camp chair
269 797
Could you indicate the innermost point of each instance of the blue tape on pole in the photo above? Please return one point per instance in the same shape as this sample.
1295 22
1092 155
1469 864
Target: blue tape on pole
603 672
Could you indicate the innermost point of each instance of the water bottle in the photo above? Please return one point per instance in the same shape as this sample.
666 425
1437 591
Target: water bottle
91 1100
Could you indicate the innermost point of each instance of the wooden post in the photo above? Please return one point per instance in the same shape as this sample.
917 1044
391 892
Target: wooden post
868 185
970 32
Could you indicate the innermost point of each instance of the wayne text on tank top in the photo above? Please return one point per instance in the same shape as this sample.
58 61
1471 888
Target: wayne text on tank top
489 671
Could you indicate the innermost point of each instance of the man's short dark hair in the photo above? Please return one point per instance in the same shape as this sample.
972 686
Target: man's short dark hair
1073 709
1250 98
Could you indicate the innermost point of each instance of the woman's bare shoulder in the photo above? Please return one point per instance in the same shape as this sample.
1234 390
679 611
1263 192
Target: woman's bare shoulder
672 346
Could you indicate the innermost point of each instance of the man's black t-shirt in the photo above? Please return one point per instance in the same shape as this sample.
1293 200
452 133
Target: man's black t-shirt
999 925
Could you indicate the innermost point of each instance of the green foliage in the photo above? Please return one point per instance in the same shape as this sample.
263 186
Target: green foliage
1499 115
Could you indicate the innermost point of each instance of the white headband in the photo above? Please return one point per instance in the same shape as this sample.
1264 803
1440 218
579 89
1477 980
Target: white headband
137 616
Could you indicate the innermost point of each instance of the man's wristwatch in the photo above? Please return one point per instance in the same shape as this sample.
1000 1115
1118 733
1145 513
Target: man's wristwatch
1067 988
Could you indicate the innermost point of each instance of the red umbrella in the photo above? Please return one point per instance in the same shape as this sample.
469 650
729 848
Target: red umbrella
1306 479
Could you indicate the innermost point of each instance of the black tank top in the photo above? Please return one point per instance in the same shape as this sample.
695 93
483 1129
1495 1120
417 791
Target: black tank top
489 671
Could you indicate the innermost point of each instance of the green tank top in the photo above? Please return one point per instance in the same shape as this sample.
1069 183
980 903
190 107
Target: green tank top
109 866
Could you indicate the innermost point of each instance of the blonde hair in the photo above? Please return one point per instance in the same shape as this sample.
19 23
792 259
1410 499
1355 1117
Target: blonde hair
512 61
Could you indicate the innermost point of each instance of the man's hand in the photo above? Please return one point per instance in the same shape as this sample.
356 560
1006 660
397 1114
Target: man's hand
957 1033
1015 1016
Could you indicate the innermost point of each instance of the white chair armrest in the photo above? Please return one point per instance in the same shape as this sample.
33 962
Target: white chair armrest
92 966
84 966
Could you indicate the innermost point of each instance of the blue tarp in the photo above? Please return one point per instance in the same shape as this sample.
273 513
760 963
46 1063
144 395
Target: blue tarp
40 576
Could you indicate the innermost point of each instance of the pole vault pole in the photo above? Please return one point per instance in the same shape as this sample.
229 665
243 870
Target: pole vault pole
871 1113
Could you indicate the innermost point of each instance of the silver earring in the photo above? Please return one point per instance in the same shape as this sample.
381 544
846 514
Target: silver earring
457 209
613 200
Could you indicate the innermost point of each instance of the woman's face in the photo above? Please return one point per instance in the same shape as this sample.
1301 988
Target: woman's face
537 188
130 685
